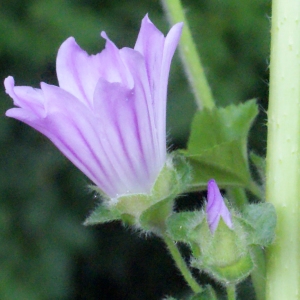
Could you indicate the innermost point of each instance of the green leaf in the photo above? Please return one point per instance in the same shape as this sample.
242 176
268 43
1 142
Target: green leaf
102 214
180 224
217 147
262 218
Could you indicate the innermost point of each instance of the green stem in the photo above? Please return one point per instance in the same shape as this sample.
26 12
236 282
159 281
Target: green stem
258 275
190 56
231 292
182 265
283 159
256 190
238 196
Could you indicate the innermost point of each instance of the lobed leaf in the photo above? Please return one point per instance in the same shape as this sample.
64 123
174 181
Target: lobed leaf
217 147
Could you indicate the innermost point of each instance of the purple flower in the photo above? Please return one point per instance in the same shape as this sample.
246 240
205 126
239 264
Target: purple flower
216 207
108 115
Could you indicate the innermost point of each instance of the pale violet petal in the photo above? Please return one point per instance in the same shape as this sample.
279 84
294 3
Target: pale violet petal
154 148
171 42
116 108
216 207
150 43
113 67
158 52
78 132
77 72
26 97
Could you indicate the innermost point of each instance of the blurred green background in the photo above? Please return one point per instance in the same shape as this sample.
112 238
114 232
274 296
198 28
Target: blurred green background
45 252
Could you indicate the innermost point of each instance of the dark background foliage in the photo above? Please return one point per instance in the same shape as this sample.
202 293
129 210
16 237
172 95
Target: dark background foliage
45 252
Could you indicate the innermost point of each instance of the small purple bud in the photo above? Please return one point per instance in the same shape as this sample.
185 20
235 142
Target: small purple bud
216 207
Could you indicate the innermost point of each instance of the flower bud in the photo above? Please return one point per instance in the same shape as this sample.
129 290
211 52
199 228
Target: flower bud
222 240
216 207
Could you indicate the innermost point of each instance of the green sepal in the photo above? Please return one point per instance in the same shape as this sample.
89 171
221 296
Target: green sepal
262 219
128 219
147 211
102 214
133 204
231 274
153 219
225 254
217 147
183 170
208 293
171 182
180 224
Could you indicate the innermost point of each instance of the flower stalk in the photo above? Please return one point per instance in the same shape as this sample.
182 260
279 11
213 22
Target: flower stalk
283 159
231 294
182 266
190 56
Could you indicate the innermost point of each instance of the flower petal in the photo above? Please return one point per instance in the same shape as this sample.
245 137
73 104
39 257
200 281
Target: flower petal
216 207
171 42
26 97
114 70
73 128
127 115
78 133
154 146
158 52
150 43
78 72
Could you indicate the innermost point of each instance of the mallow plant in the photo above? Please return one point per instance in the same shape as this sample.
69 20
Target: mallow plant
108 117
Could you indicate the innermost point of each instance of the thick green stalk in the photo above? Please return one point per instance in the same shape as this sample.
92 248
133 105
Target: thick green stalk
182 265
190 56
283 159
